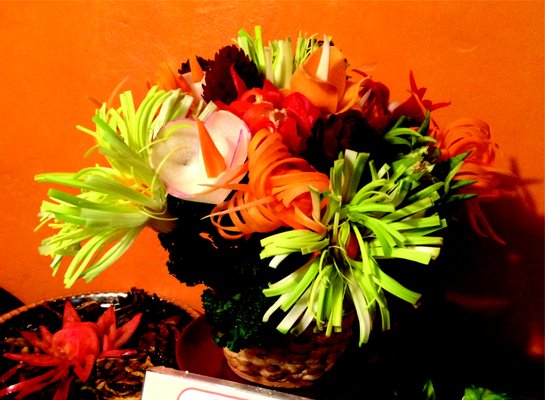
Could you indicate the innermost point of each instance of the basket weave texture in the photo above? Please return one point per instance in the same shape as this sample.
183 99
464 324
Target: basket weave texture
304 360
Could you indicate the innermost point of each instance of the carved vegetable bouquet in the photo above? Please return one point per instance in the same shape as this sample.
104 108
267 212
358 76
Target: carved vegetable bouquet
283 178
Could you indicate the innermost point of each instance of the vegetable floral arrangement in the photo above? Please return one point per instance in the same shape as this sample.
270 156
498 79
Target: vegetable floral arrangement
283 179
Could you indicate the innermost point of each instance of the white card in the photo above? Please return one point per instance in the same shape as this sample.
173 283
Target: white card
170 384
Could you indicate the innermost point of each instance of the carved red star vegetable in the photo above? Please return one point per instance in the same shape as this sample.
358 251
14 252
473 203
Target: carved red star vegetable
74 348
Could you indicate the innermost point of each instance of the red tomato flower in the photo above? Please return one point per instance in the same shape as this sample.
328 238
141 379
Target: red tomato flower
292 116
75 348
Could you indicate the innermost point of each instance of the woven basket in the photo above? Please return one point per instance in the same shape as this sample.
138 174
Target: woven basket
304 360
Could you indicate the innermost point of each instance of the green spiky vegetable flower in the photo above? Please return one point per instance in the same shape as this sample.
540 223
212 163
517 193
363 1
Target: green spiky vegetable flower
142 146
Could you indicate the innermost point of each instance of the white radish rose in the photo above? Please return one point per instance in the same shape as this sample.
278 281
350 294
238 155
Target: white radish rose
196 159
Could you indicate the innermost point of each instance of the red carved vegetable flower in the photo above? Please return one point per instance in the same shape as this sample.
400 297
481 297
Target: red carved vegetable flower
75 348
292 115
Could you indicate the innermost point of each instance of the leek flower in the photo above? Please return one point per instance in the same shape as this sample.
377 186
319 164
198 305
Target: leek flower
97 225
392 214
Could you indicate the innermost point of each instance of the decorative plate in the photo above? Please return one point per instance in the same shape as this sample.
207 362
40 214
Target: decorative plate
155 339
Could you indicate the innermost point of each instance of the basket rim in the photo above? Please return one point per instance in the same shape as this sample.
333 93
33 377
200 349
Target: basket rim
26 307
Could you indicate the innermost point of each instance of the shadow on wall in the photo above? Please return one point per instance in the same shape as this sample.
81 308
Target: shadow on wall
494 296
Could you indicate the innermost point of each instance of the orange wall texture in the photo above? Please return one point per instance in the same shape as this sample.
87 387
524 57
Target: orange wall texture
485 57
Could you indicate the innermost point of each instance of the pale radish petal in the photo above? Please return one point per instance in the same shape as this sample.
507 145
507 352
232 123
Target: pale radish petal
232 133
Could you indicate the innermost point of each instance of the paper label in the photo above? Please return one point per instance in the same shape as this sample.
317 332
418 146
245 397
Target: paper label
170 384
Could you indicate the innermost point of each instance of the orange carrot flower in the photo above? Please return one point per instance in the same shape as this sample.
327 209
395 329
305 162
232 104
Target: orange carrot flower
277 193
481 165
168 78
326 90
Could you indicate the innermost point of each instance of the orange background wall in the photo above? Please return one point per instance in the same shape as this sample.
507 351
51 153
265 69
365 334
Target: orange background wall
484 57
